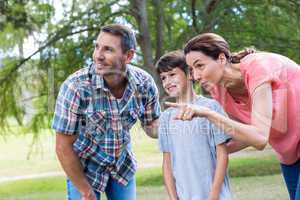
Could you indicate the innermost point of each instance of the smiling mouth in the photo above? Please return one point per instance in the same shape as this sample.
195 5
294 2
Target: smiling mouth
101 65
171 87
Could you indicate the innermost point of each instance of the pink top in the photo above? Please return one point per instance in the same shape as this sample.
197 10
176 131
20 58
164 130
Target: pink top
284 76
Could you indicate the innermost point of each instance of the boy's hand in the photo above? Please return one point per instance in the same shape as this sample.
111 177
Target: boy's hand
188 111
212 196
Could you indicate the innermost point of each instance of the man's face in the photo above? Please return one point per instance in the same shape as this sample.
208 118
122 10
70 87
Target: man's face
108 56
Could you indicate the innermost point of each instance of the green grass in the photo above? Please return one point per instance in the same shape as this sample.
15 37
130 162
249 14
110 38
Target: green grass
251 166
28 187
245 188
15 162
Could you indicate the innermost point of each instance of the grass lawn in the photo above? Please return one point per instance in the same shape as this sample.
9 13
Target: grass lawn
19 158
245 188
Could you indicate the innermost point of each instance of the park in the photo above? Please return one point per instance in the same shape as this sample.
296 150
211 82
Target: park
42 43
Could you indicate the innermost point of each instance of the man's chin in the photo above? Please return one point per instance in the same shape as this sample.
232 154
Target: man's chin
102 72
105 72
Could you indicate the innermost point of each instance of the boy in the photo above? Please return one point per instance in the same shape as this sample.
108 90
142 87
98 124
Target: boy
194 152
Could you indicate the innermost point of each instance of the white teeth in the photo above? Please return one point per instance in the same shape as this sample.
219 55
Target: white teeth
169 88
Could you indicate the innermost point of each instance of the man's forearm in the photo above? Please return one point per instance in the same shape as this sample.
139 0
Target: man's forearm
71 164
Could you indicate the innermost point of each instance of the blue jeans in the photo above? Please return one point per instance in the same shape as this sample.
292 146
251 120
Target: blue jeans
291 174
113 191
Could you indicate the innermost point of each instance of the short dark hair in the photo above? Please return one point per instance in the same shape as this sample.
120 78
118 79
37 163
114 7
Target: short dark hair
171 60
128 40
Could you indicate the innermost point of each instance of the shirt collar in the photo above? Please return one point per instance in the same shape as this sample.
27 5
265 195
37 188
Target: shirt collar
98 81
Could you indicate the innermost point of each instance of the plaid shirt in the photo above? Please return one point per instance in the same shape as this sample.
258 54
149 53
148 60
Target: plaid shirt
86 107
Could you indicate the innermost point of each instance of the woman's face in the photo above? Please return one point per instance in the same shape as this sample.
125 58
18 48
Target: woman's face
204 69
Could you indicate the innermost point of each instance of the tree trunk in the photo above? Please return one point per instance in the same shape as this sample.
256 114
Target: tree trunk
139 10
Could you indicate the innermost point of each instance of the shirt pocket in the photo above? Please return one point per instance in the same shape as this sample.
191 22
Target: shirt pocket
129 118
89 144
96 121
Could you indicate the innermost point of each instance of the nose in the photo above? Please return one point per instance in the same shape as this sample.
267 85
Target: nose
166 81
196 76
98 54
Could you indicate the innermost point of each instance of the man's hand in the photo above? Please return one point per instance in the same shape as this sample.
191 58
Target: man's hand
88 194
152 129
188 111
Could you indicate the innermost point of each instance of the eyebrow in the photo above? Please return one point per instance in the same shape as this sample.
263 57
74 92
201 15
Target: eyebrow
105 46
195 61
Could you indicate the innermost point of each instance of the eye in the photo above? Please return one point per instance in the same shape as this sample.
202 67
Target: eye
172 74
96 46
162 78
110 49
199 66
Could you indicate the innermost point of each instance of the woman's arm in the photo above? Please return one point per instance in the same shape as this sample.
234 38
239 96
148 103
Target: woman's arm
255 134
235 146
168 176
220 172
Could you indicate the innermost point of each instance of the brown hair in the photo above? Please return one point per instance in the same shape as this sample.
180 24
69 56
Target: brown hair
128 40
212 45
170 61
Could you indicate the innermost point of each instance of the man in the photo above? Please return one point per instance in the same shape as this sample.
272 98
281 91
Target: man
95 109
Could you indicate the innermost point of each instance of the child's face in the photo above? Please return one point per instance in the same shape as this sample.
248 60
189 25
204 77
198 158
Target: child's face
174 82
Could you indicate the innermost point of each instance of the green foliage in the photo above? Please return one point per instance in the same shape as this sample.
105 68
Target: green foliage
65 45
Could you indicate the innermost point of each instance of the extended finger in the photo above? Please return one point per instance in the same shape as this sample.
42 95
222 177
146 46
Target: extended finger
188 115
180 114
174 105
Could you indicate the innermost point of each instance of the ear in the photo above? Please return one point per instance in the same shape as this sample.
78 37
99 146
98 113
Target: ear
222 58
129 55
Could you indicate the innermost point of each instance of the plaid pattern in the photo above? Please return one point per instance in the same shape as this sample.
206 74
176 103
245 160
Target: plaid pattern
86 107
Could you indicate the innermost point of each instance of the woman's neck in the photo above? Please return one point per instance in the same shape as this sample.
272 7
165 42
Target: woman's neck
232 79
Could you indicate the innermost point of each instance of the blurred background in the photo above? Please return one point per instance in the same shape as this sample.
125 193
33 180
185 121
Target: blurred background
44 41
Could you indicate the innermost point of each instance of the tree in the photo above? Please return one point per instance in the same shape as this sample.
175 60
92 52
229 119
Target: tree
66 45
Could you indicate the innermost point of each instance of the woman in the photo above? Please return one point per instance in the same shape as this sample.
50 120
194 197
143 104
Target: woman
259 91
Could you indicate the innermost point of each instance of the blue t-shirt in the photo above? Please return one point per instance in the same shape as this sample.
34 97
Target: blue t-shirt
192 146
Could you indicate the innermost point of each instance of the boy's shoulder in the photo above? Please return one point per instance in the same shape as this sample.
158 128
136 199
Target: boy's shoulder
167 112
207 102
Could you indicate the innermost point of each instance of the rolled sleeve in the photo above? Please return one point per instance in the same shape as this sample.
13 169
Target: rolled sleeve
152 106
67 110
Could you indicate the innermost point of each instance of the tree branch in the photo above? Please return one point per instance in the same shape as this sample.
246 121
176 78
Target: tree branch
194 16
58 35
